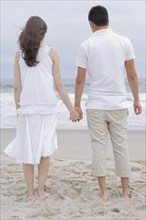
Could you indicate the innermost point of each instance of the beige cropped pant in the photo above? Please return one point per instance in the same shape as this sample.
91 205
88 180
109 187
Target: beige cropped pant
100 122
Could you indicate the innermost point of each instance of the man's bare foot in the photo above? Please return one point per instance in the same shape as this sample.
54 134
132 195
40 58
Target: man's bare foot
124 194
125 187
102 187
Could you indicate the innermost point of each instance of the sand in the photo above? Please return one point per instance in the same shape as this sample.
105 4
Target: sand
73 192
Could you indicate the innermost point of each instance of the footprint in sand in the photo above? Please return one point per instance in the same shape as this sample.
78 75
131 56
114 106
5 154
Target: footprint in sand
48 212
109 188
77 188
7 194
61 196
135 168
33 215
15 217
115 210
20 199
141 181
102 211
21 188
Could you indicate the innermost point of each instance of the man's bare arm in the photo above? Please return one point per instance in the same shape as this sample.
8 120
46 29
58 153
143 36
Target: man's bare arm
133 82
79 87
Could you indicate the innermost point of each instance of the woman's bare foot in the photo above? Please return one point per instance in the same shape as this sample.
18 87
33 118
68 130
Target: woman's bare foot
103 195
124 193
30 193
41 194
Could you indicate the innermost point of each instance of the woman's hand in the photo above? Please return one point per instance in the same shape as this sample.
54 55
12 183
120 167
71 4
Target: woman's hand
79 110
74 116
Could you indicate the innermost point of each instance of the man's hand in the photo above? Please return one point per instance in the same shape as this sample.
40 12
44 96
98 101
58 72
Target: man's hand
137 108
79 110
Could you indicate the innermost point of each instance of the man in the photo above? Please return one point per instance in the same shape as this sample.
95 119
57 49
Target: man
105 56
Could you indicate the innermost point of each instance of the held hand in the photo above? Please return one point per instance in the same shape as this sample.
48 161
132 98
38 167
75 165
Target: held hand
79 110
137 108
74 116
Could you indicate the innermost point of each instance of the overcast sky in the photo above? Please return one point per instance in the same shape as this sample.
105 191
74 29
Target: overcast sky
68 26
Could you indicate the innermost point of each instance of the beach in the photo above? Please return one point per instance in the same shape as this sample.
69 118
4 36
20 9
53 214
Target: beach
72 190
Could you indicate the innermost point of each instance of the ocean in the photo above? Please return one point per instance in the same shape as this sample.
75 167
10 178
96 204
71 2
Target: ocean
8 112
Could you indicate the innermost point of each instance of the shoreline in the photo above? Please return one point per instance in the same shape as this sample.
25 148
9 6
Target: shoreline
75 144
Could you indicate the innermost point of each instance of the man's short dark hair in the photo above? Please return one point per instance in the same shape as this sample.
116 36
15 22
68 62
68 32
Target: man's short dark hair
98 15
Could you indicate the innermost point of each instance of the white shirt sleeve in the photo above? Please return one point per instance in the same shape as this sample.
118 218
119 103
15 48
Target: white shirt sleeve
82 59
130 55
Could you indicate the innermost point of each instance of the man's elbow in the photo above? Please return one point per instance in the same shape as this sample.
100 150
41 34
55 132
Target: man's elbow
132 77
79 81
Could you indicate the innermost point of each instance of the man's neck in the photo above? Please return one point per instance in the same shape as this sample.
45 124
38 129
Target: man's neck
98 28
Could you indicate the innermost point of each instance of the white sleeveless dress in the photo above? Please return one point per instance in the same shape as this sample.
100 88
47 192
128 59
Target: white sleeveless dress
37 116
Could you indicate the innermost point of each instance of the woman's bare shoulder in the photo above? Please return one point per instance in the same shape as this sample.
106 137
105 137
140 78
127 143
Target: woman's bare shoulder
17 55
53 54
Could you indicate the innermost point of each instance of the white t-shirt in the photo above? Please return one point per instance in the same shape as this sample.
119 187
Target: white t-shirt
104 55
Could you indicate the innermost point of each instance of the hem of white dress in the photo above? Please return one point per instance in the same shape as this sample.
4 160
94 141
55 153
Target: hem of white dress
30 162
21 147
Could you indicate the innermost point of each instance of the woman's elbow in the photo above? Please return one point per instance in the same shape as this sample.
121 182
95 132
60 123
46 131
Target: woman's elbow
17 89
58 86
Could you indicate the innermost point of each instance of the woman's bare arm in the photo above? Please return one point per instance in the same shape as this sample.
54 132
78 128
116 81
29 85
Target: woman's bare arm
60 87
17 81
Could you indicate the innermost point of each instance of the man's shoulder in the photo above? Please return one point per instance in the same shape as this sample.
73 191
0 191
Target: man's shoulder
86 43
121 37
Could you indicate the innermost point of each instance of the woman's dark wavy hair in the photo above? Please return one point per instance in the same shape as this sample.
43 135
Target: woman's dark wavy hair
30 38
